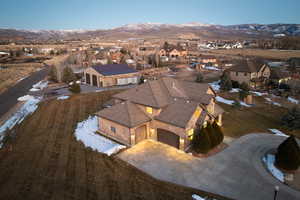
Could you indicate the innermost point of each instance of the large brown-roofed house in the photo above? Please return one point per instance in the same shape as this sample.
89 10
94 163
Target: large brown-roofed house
254 72
166 110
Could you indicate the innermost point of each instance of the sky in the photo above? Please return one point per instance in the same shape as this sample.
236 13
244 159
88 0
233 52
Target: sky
105 14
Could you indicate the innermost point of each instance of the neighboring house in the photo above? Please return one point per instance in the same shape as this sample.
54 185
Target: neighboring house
208 60
279 76
253 72
111 75
173 52
166 110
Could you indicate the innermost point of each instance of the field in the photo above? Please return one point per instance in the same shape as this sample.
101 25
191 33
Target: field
46 162
269 54
15 72
256 119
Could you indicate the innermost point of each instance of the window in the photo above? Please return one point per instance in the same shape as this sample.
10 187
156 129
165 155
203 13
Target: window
204 124
190 134
245 74
149 110
197 113
113 129
236 73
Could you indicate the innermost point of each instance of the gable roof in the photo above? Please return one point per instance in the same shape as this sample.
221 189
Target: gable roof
125 113
160 93
178 113
113 69
248 65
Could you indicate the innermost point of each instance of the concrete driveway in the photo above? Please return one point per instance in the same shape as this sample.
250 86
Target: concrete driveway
237 172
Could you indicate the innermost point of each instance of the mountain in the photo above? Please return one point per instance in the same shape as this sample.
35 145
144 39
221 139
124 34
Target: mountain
145 30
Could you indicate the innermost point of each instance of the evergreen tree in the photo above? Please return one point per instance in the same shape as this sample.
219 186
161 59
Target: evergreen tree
142 80
225 83
199 78
244 92
288 154
201 142
291 120
68 75
123 60
219 136
53 74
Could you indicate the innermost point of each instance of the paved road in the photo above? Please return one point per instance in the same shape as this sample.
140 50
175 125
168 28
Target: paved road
8 99
237 172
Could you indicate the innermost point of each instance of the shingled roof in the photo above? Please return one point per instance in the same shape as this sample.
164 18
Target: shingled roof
160 93
248 65
125 113
114 69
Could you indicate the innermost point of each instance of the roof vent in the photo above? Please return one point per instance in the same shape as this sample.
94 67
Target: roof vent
175 99
188 101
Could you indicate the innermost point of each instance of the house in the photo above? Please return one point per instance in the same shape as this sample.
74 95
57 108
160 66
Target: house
279 76
254 72
208 60
173 51
110 75
167 110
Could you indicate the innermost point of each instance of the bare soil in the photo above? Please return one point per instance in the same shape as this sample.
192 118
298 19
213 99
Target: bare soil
46 161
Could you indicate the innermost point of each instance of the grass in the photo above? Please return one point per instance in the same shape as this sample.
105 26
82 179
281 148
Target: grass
46 161
256 119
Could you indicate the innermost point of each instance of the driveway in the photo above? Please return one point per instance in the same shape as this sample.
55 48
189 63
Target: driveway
237 172
9 98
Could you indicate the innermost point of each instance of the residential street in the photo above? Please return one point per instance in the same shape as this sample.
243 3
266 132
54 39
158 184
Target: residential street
237 172
8 99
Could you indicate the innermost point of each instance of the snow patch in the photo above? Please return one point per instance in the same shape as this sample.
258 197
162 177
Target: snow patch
197 197
86 132
215 86
230 102
233 90
292 100
62 97
269 160
28 108
26 98
211 68
278 132
39 86
259 93
272 102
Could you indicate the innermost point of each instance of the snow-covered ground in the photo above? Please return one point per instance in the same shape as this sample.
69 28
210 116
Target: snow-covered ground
215 85
26 98
39 86
197 197
86 133
62 97
233 90
292 100
278 132
230 102
259 93
211 68
28 108
269 160
269 100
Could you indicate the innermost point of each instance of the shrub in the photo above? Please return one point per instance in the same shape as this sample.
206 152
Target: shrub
201 142
217 132
291 120
235 84
225 83
53 74
142 80
199 78
288 154
236 104
244 86
75 88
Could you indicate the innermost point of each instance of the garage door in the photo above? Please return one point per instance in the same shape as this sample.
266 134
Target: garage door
168 137
140 133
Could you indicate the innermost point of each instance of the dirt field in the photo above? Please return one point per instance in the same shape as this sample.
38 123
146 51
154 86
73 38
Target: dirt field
257 119
46 162
271 54
14 72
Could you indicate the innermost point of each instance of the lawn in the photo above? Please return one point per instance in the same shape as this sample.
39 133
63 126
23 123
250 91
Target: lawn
46 162
256 119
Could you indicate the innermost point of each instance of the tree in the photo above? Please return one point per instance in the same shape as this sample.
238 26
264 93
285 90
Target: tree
199 78
68 75
244 92
109 61
166 45
201 141
291 120
235 84
53 74
123 60
218 134
288 154
75 88
225 83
